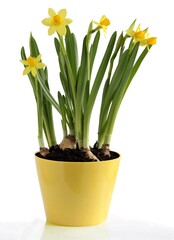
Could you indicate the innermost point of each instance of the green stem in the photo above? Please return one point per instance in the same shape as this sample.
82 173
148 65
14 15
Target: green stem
63 113
47 93
47 133
39 97
48 116
48 124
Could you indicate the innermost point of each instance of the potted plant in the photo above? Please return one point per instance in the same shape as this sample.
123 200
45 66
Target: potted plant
77 180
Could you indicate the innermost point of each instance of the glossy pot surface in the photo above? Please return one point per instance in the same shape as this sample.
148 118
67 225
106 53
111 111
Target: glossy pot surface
76 193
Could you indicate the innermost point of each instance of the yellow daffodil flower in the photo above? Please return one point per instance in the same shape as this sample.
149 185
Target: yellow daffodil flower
148 40
141 36
57 22
32 64
138 35
151 40
104 22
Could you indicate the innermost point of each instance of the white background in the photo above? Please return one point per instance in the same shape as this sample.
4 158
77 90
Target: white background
144 131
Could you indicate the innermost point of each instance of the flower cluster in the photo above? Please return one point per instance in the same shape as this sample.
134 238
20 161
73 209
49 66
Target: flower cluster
141 36
117 68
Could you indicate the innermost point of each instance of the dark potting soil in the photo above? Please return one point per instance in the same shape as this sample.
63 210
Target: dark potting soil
75 155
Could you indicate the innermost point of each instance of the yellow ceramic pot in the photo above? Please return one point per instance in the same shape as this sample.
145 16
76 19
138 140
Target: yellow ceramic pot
76 193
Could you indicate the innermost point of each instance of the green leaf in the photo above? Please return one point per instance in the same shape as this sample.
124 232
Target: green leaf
72 52
47 93
64 77
48 116
111 89
137 65
80 92
101 71
119 93
70 116
34 50
96 86
93 49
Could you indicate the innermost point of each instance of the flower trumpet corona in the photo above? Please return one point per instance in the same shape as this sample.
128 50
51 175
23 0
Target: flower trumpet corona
80 82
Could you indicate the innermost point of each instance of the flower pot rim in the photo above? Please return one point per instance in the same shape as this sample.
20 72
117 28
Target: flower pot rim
75 162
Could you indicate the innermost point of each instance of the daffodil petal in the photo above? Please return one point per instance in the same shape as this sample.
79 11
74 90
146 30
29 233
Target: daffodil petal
51 12
24 62
132 25
62 13
38 58
96 22
40 65
33 71
27 70
147 34
102 18
138 28
67 21
61 29
104 28
130 32
51 30
47 21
